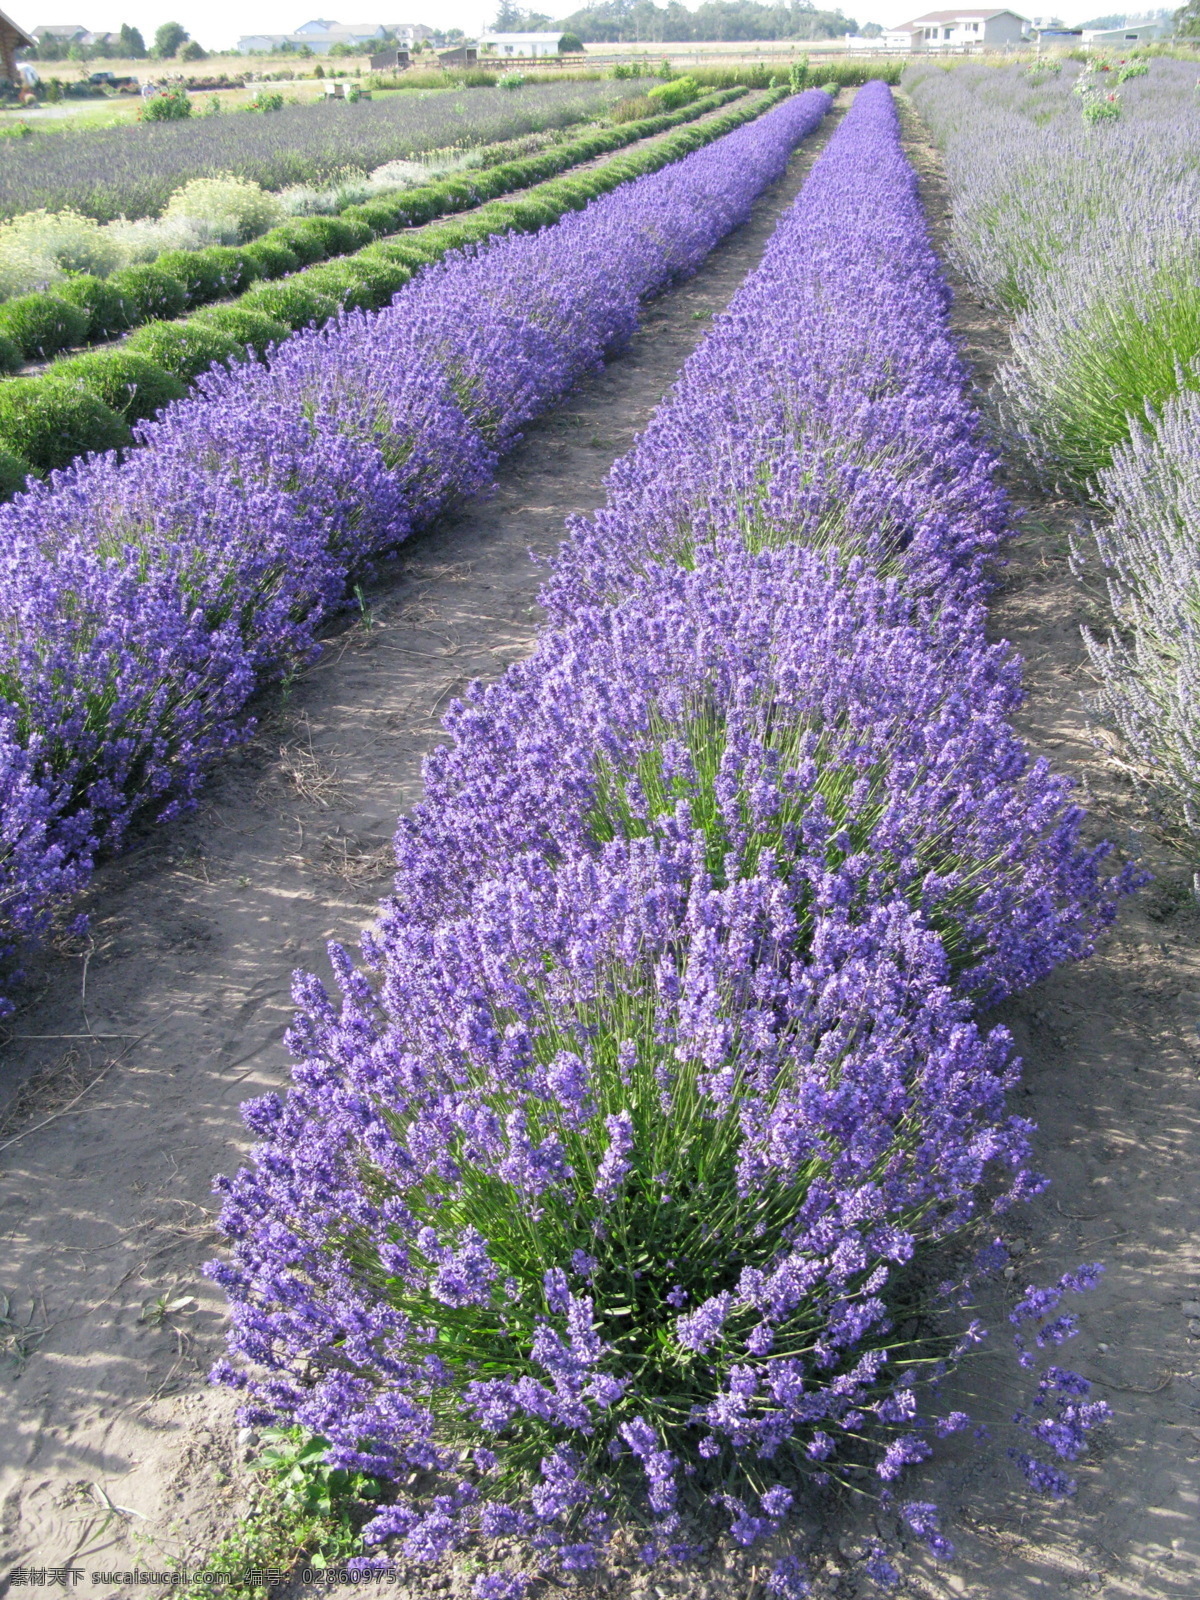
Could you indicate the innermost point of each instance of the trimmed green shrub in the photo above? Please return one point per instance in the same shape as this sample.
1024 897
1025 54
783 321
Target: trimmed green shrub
210 274
132 385
109 310
185 348
201 278
252 329
48 423
331 278
10 354
271 257
13 473
378 215
305 244
289 301
155 293
40 325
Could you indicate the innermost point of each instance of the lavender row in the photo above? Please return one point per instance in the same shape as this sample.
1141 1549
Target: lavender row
599 1193
144 600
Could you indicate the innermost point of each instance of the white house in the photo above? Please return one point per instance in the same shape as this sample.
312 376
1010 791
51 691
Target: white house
320 36
408 34
521 44
956 30
1136 33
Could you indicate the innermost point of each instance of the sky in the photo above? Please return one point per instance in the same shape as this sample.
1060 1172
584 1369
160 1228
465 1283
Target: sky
218 24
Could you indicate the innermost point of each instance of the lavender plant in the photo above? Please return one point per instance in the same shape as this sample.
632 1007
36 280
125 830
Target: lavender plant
1084 229
1149 669
611 1188
145 599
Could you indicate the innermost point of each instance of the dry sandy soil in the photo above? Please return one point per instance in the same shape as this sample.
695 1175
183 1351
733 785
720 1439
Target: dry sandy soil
106 1212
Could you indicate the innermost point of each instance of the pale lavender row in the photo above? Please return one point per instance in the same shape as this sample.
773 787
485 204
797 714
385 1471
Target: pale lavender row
142 602
748 835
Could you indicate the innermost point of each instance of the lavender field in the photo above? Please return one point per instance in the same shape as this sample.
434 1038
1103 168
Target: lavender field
132 171
639 1171
1085 233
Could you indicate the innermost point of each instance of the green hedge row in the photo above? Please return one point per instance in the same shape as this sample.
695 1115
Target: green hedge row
34 327
90 401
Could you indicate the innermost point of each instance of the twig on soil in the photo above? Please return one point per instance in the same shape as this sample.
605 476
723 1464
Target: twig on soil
1134 1388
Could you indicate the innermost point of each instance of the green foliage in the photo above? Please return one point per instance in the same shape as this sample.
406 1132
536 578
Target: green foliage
193 51
130 44
168 38
266 100
201 277
1131 352
10 354
570 45
289 301
185 348
678 92
153 292
305 1511
305 243
132 385
211 274
253 330
40 325
632 110
108 310
13 473
173 105
798 75
1102 109
48 423
270 257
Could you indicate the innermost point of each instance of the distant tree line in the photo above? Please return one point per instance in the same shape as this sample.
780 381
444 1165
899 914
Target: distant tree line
641 21
172 40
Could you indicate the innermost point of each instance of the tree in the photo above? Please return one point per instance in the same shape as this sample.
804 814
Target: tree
193 51
512 19
1187 21
570 44
130 44
168 39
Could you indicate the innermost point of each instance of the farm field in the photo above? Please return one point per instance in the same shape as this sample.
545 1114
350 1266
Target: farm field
132 171
720 924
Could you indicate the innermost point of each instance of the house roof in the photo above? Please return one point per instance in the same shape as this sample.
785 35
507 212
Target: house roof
522 38
19 36
980 14
60 30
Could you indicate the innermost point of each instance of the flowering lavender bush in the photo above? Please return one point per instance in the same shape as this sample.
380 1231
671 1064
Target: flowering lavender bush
609 1188
1084 228
841 424
146 599
1149 670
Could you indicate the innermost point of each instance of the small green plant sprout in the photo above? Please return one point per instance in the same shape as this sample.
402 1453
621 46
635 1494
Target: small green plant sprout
18 1337
305 1480
158 1312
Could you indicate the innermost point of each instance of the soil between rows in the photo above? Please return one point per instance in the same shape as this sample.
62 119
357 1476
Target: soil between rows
173 1011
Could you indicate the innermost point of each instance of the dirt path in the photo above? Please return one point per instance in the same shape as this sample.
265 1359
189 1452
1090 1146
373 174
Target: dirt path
173 1011
1112 1051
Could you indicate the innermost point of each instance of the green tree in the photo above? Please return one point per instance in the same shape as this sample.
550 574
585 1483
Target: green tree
193 51
570 44
168 38
1187 20
130 44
